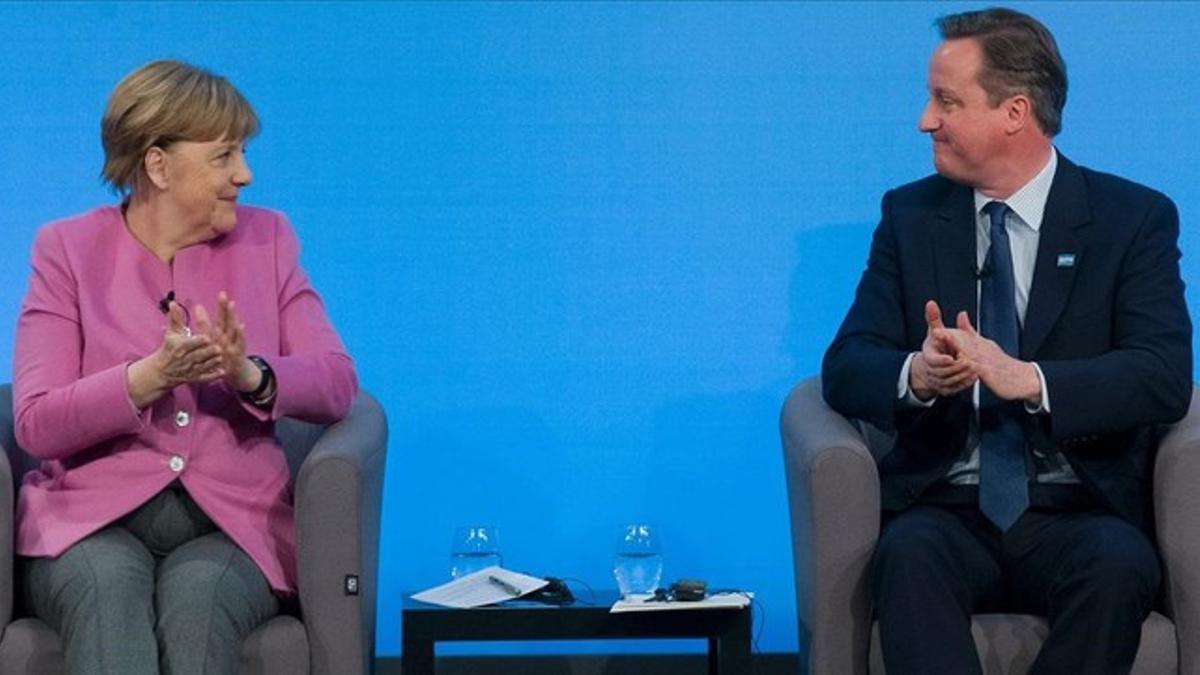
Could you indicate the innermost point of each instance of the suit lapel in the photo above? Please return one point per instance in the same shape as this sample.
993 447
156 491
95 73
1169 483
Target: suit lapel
1062 234
953 242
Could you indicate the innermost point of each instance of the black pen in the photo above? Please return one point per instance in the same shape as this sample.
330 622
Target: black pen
512 590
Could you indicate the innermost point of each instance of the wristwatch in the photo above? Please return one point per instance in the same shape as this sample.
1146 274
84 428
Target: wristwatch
261 394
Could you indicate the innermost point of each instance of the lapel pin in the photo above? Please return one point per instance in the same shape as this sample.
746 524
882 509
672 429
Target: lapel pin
1066 259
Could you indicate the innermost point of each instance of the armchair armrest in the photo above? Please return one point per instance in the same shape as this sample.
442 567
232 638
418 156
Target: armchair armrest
833 494
337 497
7 535
10 474
1177 522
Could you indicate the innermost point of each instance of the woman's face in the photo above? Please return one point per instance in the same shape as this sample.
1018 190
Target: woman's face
202 183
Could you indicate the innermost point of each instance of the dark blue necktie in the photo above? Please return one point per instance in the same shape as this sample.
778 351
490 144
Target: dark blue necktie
1003 481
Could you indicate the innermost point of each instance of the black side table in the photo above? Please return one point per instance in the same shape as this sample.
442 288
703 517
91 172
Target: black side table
727 630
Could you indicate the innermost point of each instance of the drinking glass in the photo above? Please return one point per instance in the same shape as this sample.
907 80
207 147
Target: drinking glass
474 547
638 563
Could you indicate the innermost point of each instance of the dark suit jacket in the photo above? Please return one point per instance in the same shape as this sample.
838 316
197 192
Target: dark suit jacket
1111 332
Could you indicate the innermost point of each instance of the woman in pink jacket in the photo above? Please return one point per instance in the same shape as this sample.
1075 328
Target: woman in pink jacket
159 341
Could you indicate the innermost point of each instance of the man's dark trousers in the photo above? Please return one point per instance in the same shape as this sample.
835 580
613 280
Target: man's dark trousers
938 563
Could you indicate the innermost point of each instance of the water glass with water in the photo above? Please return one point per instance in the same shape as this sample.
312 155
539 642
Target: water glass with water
638 563
474 548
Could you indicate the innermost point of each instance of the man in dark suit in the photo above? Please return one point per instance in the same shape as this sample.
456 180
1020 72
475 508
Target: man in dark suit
1025 417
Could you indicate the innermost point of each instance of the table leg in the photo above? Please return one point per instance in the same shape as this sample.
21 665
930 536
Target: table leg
416 658
733 649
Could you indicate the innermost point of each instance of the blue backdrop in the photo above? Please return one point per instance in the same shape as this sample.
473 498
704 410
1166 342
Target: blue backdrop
579 251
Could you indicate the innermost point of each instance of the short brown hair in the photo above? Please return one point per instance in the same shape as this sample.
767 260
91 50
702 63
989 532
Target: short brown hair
1020 56
161 103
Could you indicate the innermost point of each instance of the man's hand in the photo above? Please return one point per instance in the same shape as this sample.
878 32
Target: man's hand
939 369
1007 377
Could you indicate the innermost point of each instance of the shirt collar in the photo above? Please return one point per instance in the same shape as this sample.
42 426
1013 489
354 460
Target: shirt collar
1029 202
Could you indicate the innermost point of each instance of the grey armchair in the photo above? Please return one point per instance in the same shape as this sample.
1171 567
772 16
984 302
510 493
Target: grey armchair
338 479
833 492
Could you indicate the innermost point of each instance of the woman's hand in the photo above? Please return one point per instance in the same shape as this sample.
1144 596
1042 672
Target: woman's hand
229 336
181 358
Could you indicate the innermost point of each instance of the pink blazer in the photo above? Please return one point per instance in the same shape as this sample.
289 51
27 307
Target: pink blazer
91 309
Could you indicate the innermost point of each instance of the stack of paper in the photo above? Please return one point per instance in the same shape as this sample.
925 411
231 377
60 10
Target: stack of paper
485 587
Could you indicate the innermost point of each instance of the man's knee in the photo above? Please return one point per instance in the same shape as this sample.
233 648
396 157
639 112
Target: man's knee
912 543
1116 559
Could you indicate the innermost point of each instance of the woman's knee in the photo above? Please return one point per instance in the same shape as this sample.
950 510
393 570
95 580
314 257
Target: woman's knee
212 571
210 596
109 571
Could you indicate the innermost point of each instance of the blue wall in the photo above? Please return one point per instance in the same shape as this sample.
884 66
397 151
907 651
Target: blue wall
580 251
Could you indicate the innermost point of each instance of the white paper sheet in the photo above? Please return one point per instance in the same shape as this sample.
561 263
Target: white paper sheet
485 587
637 603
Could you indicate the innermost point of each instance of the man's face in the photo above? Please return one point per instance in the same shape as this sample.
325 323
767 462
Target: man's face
968 134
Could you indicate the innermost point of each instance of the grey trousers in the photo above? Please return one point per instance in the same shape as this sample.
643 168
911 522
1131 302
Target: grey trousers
162 590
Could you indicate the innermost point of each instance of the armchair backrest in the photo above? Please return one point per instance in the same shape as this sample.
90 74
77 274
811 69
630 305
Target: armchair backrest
10 462
297 439
6 426
18 461
879 442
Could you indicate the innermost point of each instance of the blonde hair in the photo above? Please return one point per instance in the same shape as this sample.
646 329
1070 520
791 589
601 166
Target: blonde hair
161 103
